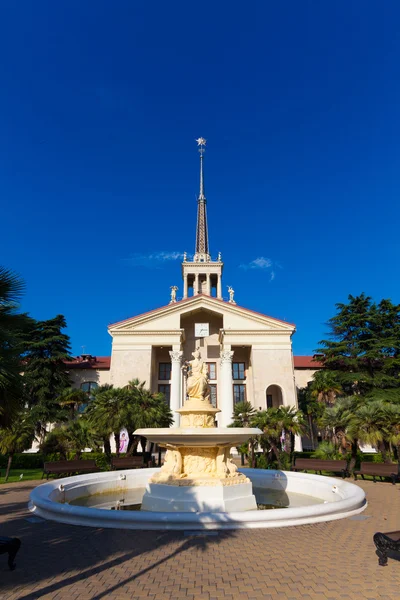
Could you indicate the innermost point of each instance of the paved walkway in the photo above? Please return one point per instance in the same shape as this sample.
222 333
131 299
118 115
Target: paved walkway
328 561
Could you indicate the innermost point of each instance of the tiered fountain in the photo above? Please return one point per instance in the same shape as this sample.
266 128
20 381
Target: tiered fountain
198 474
198 487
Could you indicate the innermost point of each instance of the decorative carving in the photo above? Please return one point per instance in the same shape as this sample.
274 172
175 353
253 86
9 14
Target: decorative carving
174 289
176 356
172 467
197 420
226 356
198 462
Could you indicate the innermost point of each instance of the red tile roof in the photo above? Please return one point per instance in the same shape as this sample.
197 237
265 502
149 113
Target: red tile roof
306 362
96 362
103 362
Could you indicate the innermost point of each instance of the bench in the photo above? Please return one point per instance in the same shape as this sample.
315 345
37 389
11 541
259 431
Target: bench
319 465
386 542
11 546
378 469
131 462
68 467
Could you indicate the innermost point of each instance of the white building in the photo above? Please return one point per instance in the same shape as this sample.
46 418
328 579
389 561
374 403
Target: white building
249 355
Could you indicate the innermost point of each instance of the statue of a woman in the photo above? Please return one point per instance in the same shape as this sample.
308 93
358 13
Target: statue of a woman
197 382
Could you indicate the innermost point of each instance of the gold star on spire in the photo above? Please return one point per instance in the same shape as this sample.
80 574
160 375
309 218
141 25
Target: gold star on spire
201 141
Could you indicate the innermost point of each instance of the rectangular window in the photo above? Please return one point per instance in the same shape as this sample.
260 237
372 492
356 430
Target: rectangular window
239 393
238 370
164 371
213 394
269 400
212 370
165 389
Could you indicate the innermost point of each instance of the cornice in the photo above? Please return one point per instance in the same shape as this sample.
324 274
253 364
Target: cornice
157 332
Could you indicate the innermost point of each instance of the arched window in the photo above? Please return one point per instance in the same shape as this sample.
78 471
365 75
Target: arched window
274 397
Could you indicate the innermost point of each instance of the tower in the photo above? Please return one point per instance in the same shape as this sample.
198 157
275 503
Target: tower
202 275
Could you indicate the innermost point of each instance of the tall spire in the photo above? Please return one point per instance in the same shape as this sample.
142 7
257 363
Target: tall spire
202 252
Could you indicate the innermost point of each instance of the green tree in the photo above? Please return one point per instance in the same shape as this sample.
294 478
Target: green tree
243 413
46 374
13 328
325 387
72 398
16 437
363 351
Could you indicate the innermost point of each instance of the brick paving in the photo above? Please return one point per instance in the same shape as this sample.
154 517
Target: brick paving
326 561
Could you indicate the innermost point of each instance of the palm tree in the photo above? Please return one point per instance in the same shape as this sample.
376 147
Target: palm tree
17 437
150 410
270 423
109 411
73 398
243 413
325 387
80 435
292 423
370 425
13 326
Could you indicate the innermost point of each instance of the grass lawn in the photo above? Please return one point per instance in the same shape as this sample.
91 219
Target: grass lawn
28 474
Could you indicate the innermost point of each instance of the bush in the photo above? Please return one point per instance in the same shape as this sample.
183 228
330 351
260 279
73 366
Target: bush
326 451
23 461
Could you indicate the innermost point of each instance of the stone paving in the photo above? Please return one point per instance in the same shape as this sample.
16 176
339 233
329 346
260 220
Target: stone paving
326 561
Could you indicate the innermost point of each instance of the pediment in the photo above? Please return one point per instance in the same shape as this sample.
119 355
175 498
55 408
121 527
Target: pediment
167 318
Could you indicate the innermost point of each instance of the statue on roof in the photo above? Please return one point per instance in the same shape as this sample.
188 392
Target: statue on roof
231 293
174 289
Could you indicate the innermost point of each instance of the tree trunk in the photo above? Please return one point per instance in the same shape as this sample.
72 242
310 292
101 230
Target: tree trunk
292 442
383 450
353 460
10 457
107 447
311 428
117 439
277 454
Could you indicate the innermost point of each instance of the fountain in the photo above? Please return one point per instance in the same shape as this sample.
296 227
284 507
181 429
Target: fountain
199 486
198 474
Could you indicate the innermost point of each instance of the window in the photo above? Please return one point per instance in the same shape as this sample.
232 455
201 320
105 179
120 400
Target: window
87 387
239 393
164 371
213 395
238 370
212 370
165 389
269 400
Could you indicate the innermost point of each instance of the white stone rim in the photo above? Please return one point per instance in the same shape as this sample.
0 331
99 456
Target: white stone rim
42 503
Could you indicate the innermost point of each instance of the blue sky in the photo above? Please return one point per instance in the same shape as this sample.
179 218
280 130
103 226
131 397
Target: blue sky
100 105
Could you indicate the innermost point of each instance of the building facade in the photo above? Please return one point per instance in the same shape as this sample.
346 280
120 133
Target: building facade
249 355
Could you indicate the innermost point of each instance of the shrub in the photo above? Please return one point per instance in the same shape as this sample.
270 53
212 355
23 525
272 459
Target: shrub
23 461
326 451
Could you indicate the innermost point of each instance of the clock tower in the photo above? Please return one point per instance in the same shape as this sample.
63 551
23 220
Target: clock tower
202 275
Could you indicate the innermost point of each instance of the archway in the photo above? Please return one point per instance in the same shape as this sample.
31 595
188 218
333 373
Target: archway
273 396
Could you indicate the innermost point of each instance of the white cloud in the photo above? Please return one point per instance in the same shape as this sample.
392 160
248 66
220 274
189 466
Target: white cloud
263 264
154 259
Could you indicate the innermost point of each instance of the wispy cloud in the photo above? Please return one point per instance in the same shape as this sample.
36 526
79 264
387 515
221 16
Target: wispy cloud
262 264
153 260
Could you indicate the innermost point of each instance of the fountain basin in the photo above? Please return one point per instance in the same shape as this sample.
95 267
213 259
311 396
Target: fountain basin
338 499
201 437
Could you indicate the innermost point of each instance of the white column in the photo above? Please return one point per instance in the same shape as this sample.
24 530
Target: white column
175 396
225 389
185 286
196 284
219 291
208 284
